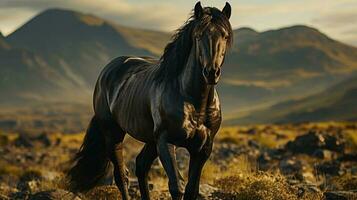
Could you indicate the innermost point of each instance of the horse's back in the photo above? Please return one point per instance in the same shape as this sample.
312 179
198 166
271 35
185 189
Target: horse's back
122 94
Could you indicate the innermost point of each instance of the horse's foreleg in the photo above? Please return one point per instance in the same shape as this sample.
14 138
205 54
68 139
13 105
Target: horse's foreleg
143 164
167 157
198 157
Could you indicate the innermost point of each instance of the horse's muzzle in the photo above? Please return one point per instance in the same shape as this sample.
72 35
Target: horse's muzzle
211 75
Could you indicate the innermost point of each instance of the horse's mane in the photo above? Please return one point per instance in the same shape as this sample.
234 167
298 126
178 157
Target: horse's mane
176 52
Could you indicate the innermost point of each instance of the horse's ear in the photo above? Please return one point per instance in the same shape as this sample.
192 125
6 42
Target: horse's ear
227 10
198 10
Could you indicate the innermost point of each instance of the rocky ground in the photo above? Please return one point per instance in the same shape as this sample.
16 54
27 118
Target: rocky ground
290 161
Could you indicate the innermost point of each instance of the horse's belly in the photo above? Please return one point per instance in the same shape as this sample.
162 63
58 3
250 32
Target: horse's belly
142 132
133 115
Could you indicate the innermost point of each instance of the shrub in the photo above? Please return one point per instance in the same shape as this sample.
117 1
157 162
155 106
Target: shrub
345 182
258 186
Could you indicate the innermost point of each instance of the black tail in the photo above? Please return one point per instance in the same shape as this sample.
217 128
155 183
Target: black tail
91 162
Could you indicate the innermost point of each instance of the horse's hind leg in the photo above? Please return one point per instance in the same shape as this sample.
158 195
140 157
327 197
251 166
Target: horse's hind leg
115 136
143 164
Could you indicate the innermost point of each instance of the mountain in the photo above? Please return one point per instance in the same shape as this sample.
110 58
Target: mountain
26 76
67 49
285 63
59 53
78 45
338 102
3 43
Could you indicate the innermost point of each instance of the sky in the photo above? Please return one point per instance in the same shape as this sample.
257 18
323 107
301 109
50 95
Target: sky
336 18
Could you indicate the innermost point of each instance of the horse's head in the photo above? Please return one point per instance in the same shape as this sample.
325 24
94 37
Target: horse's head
212 36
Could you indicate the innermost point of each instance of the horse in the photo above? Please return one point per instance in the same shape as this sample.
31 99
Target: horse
165 103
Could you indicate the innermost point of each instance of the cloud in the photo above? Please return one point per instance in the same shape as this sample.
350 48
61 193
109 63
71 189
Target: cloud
331 16
163 16
340 22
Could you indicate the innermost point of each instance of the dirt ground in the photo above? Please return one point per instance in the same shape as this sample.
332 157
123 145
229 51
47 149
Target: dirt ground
288 161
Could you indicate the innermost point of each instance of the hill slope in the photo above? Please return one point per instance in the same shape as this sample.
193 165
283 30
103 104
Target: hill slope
285 63
79 45
338 102
260 70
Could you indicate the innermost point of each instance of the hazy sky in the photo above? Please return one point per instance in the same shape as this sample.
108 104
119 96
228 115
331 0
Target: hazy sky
336 18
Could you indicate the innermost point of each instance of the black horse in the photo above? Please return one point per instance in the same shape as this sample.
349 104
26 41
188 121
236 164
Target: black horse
166 103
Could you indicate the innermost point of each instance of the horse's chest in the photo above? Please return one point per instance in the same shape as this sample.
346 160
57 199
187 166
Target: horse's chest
193 118
190 119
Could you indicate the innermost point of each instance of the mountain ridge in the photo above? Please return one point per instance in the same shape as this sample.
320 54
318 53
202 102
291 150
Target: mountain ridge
338 102
261 67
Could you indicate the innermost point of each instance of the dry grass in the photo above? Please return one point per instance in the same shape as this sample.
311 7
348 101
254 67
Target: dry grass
351 139
7 169
260 186
345 182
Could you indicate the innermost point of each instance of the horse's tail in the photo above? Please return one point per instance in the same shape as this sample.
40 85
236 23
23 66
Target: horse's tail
91 162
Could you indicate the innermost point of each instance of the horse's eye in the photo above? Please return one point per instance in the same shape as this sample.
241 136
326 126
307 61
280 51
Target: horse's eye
226 37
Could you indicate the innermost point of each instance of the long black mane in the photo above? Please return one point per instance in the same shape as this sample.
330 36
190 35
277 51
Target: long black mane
176 53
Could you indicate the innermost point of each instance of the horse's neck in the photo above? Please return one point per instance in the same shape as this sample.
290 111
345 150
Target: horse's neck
193 85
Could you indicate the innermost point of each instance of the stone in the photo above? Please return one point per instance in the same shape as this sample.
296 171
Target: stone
331 168
291 167
29 186
307 190
307 143
323 154
23 141
57 194
314 140
44 139
206 191
254 144
340 195
334 143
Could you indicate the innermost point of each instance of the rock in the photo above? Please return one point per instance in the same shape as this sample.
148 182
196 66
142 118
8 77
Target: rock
331 168
31 175
264 161
277 154
30 186
4 140
57 194
305 190
3 197
314 140
206 191
23 140
19 195
28 140
291 167
323 154
252 131
44 139
308 177
104 192
5 190
335 143
340 195
348 157
307 143
254 144
224 152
